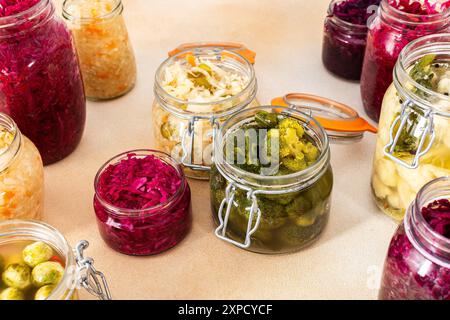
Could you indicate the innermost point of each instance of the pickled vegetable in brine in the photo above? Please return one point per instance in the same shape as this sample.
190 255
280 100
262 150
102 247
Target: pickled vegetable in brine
30 270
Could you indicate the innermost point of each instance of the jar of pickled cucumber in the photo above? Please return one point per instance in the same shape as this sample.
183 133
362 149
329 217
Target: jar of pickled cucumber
21 174
201 84
413 145
106 56
37 263
271 182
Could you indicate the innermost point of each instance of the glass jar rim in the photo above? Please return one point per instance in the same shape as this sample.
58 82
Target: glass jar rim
8 123
25 226
116 10
401 70
130 213
250 87
299 178
363 28
406 18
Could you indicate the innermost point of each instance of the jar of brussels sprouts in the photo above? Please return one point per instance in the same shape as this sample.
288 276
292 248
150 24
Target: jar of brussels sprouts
200 84
271 181
37 263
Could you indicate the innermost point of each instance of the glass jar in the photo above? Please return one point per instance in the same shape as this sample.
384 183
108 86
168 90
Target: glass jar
389 33
413 145
147 231
182 127
79 272
106 56
40 80
418 263
344 42
21 174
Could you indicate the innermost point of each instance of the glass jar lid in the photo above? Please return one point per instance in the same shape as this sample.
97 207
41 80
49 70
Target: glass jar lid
341 122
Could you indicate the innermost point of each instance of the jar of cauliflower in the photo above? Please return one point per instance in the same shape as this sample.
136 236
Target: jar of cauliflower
21 174
413 145
196 89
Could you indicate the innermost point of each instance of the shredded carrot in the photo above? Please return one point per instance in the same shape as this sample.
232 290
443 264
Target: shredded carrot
191 59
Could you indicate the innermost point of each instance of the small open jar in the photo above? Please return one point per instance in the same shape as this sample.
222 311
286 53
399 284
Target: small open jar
271 182
106 56
418 263
21 174
37 262
200 86
142 202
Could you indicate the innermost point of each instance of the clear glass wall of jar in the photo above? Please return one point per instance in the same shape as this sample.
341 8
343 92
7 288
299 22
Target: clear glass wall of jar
288 212
413 145
389 33
148 231
418 262
76 266
106 56
40 80
21 174
344 45
183 128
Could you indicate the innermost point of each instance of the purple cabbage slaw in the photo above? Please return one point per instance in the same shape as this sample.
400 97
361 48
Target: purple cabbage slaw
354 11
12 7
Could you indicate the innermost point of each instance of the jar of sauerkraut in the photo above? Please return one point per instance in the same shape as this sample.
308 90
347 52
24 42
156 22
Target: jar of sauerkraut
413 145
106 56
398 23
21 174
39 264
199 86
40 79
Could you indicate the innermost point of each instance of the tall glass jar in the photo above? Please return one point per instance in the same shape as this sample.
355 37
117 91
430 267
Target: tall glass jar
393 28
40 80
344 42
106 56
418 263
21 174
266 213
150 230
79 271
413 145
182 126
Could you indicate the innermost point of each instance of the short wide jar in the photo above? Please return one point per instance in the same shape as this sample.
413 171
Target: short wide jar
150 230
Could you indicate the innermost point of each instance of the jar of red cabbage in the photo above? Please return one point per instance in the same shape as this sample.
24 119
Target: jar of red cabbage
345 33
418 261
142 202
398 22
40 83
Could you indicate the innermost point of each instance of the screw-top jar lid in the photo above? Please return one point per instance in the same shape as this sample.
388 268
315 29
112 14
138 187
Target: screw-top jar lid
341 122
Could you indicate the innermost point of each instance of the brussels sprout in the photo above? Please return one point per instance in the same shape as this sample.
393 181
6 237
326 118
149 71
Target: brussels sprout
17 275
12 294
36 253
47 273
44 292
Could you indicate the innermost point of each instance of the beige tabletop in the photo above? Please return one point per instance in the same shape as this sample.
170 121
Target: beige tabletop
347 260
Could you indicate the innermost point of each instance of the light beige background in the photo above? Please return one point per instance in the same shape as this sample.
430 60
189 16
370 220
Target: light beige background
287 36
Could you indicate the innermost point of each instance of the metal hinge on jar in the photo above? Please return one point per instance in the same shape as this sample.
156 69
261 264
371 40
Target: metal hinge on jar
89 278
423 129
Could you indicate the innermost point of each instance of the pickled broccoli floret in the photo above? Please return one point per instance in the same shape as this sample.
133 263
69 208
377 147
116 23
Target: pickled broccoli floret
299 206
47 273
17 275
44 292
12 294
37 253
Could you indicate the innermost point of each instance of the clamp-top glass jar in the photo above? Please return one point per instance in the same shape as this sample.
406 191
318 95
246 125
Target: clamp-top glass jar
106 56
72 270
40 79
413 145
199 85
418 263
397 24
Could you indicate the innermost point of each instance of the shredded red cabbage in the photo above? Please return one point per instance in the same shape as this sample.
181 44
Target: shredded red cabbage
40 81
405 276
12 7
141 184
385 42
354 11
